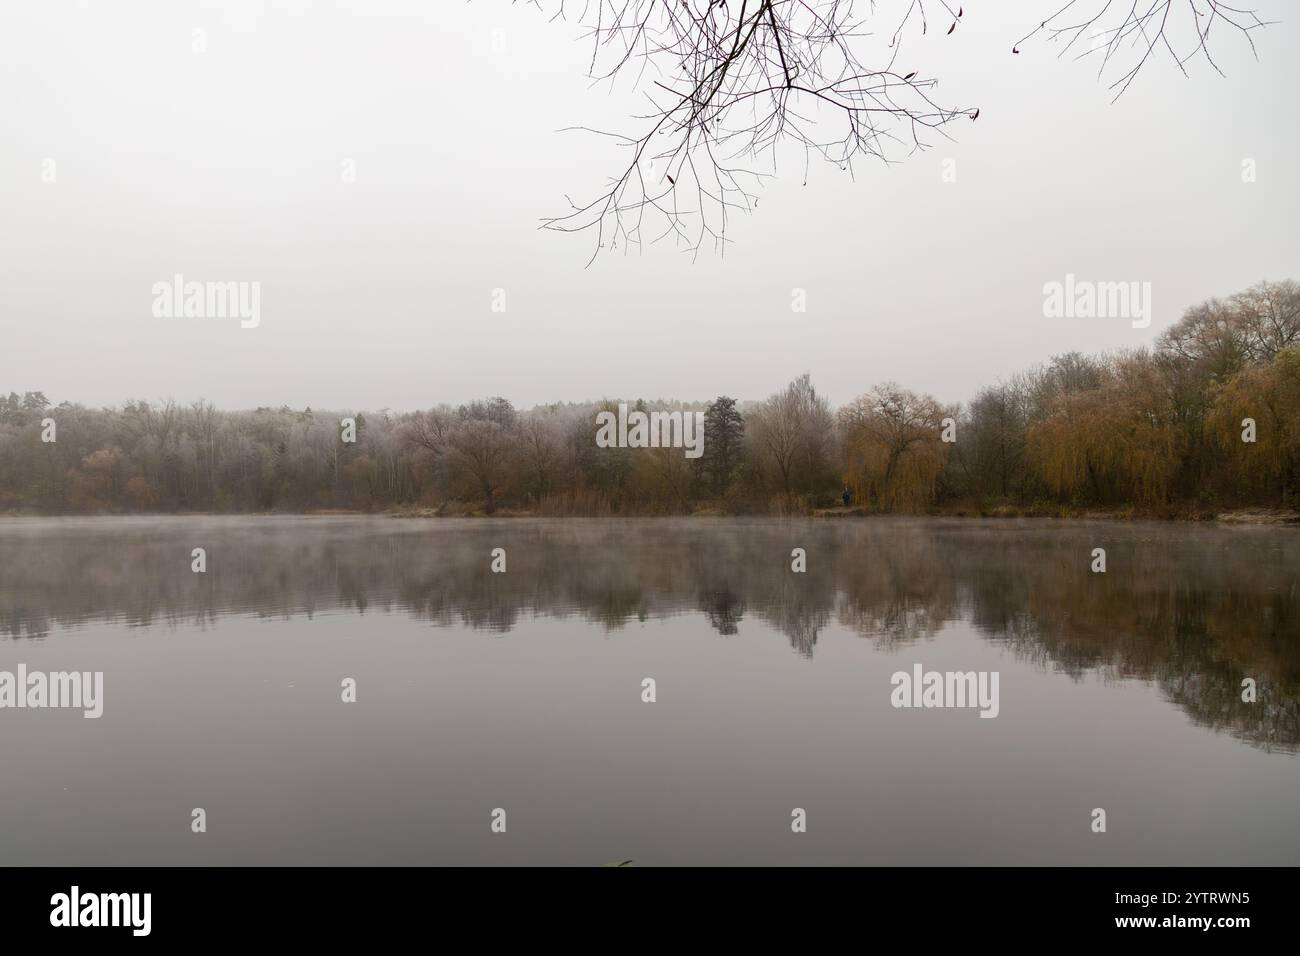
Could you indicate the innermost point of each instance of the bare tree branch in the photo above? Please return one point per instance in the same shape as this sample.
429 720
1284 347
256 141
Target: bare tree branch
732 84
1123 36
730 81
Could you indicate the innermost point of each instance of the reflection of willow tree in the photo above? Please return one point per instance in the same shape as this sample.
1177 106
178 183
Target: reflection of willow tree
1195 620
1191 610
799 608
898 588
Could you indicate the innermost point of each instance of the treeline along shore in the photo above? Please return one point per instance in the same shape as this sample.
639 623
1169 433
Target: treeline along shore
1205 421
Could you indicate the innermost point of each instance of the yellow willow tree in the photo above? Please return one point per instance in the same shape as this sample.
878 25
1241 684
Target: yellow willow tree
1111 442
1269 396
891 450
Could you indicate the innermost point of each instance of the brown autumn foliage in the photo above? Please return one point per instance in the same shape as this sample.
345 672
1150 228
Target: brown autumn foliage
1166 430
1109 442
1269 394
891 449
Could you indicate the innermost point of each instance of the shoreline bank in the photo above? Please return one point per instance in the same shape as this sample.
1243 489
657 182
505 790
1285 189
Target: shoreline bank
1238 516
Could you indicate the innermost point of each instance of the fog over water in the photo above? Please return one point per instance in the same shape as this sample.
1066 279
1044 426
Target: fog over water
523 690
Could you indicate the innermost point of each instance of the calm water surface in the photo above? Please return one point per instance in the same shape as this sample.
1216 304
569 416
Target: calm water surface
523 691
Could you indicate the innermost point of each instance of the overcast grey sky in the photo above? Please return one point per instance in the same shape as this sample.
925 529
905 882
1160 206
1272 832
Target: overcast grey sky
225 165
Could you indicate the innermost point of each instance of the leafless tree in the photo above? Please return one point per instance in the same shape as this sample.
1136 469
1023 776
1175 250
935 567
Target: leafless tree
792 427
540 441
733 85
1269 314
429 430
484 440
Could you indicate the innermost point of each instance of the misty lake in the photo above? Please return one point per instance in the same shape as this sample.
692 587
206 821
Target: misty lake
523 691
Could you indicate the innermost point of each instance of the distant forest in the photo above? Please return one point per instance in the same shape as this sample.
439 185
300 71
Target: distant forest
1156 430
